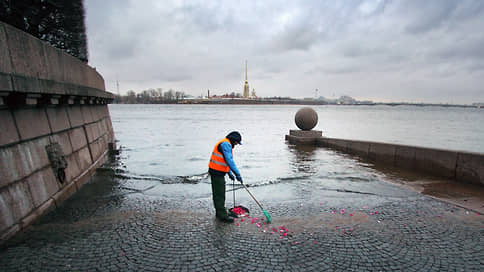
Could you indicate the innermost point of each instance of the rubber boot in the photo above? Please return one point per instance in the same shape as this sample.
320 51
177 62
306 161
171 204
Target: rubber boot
218 193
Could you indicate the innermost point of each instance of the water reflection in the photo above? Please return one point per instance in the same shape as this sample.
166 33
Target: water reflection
303 159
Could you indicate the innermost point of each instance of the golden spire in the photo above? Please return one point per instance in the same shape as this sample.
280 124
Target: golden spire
245 71
246 85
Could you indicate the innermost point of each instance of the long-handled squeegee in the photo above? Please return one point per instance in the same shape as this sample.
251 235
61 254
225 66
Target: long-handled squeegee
268 216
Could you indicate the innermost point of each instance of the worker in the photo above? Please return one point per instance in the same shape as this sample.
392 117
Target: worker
221 163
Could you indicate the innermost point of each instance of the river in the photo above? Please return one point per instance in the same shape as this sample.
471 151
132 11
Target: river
169 141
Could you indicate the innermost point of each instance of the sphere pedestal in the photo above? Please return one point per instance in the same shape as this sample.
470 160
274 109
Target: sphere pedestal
306 119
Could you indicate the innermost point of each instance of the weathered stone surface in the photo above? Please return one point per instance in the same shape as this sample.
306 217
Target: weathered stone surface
97 112
42 185
78 138
19 161
382 152
337 143
98 147
68 190
5 82
55 63
440 162
75 116
405 156
306 133
31 123
18 200
84 159
5 63
82 180
470 168
58 118
109 124
6 217
63 140
33 75
8 131
75 71
26 53
301 140
87 114
358 147
93 131
52 87
73 170
306 118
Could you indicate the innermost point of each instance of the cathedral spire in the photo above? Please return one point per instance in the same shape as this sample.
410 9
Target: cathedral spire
246 85
245 71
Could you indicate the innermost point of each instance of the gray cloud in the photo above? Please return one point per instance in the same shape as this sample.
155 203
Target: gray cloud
380 49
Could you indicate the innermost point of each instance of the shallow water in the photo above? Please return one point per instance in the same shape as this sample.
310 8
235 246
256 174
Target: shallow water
165 148
166 141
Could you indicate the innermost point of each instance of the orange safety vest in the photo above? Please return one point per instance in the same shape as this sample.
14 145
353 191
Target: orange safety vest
217 160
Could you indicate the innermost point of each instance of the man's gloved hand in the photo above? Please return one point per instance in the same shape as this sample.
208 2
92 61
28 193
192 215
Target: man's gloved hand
231 176
239 178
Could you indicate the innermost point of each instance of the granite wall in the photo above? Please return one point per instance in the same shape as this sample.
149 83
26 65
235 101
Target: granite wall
55 127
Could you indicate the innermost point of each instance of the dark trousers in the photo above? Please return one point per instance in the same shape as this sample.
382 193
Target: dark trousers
218 193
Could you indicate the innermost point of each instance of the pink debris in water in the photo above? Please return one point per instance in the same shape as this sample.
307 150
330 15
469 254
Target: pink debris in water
272 232
315 242
406 210
281 237
320 203
296 242
371 213
376 212
364 207
285 234
332 212
345 232
350 230
351 214
423 212
123 253
404 225
237 224
478 214
242 220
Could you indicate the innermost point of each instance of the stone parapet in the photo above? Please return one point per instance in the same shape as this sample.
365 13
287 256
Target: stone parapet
30 66
461 166
55 127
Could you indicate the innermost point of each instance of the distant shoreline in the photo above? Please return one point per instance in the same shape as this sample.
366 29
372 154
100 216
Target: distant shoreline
238 101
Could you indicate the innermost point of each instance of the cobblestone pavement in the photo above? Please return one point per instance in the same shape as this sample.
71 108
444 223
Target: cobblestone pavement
109 226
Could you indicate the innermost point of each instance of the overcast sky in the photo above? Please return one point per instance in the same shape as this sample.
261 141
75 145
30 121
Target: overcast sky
414 51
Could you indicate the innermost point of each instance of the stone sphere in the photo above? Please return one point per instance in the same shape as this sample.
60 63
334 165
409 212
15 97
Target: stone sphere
306 118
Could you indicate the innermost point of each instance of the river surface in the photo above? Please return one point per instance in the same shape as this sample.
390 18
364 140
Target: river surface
165 148
176 140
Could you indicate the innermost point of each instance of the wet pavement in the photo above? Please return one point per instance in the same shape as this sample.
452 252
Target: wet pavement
116 224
